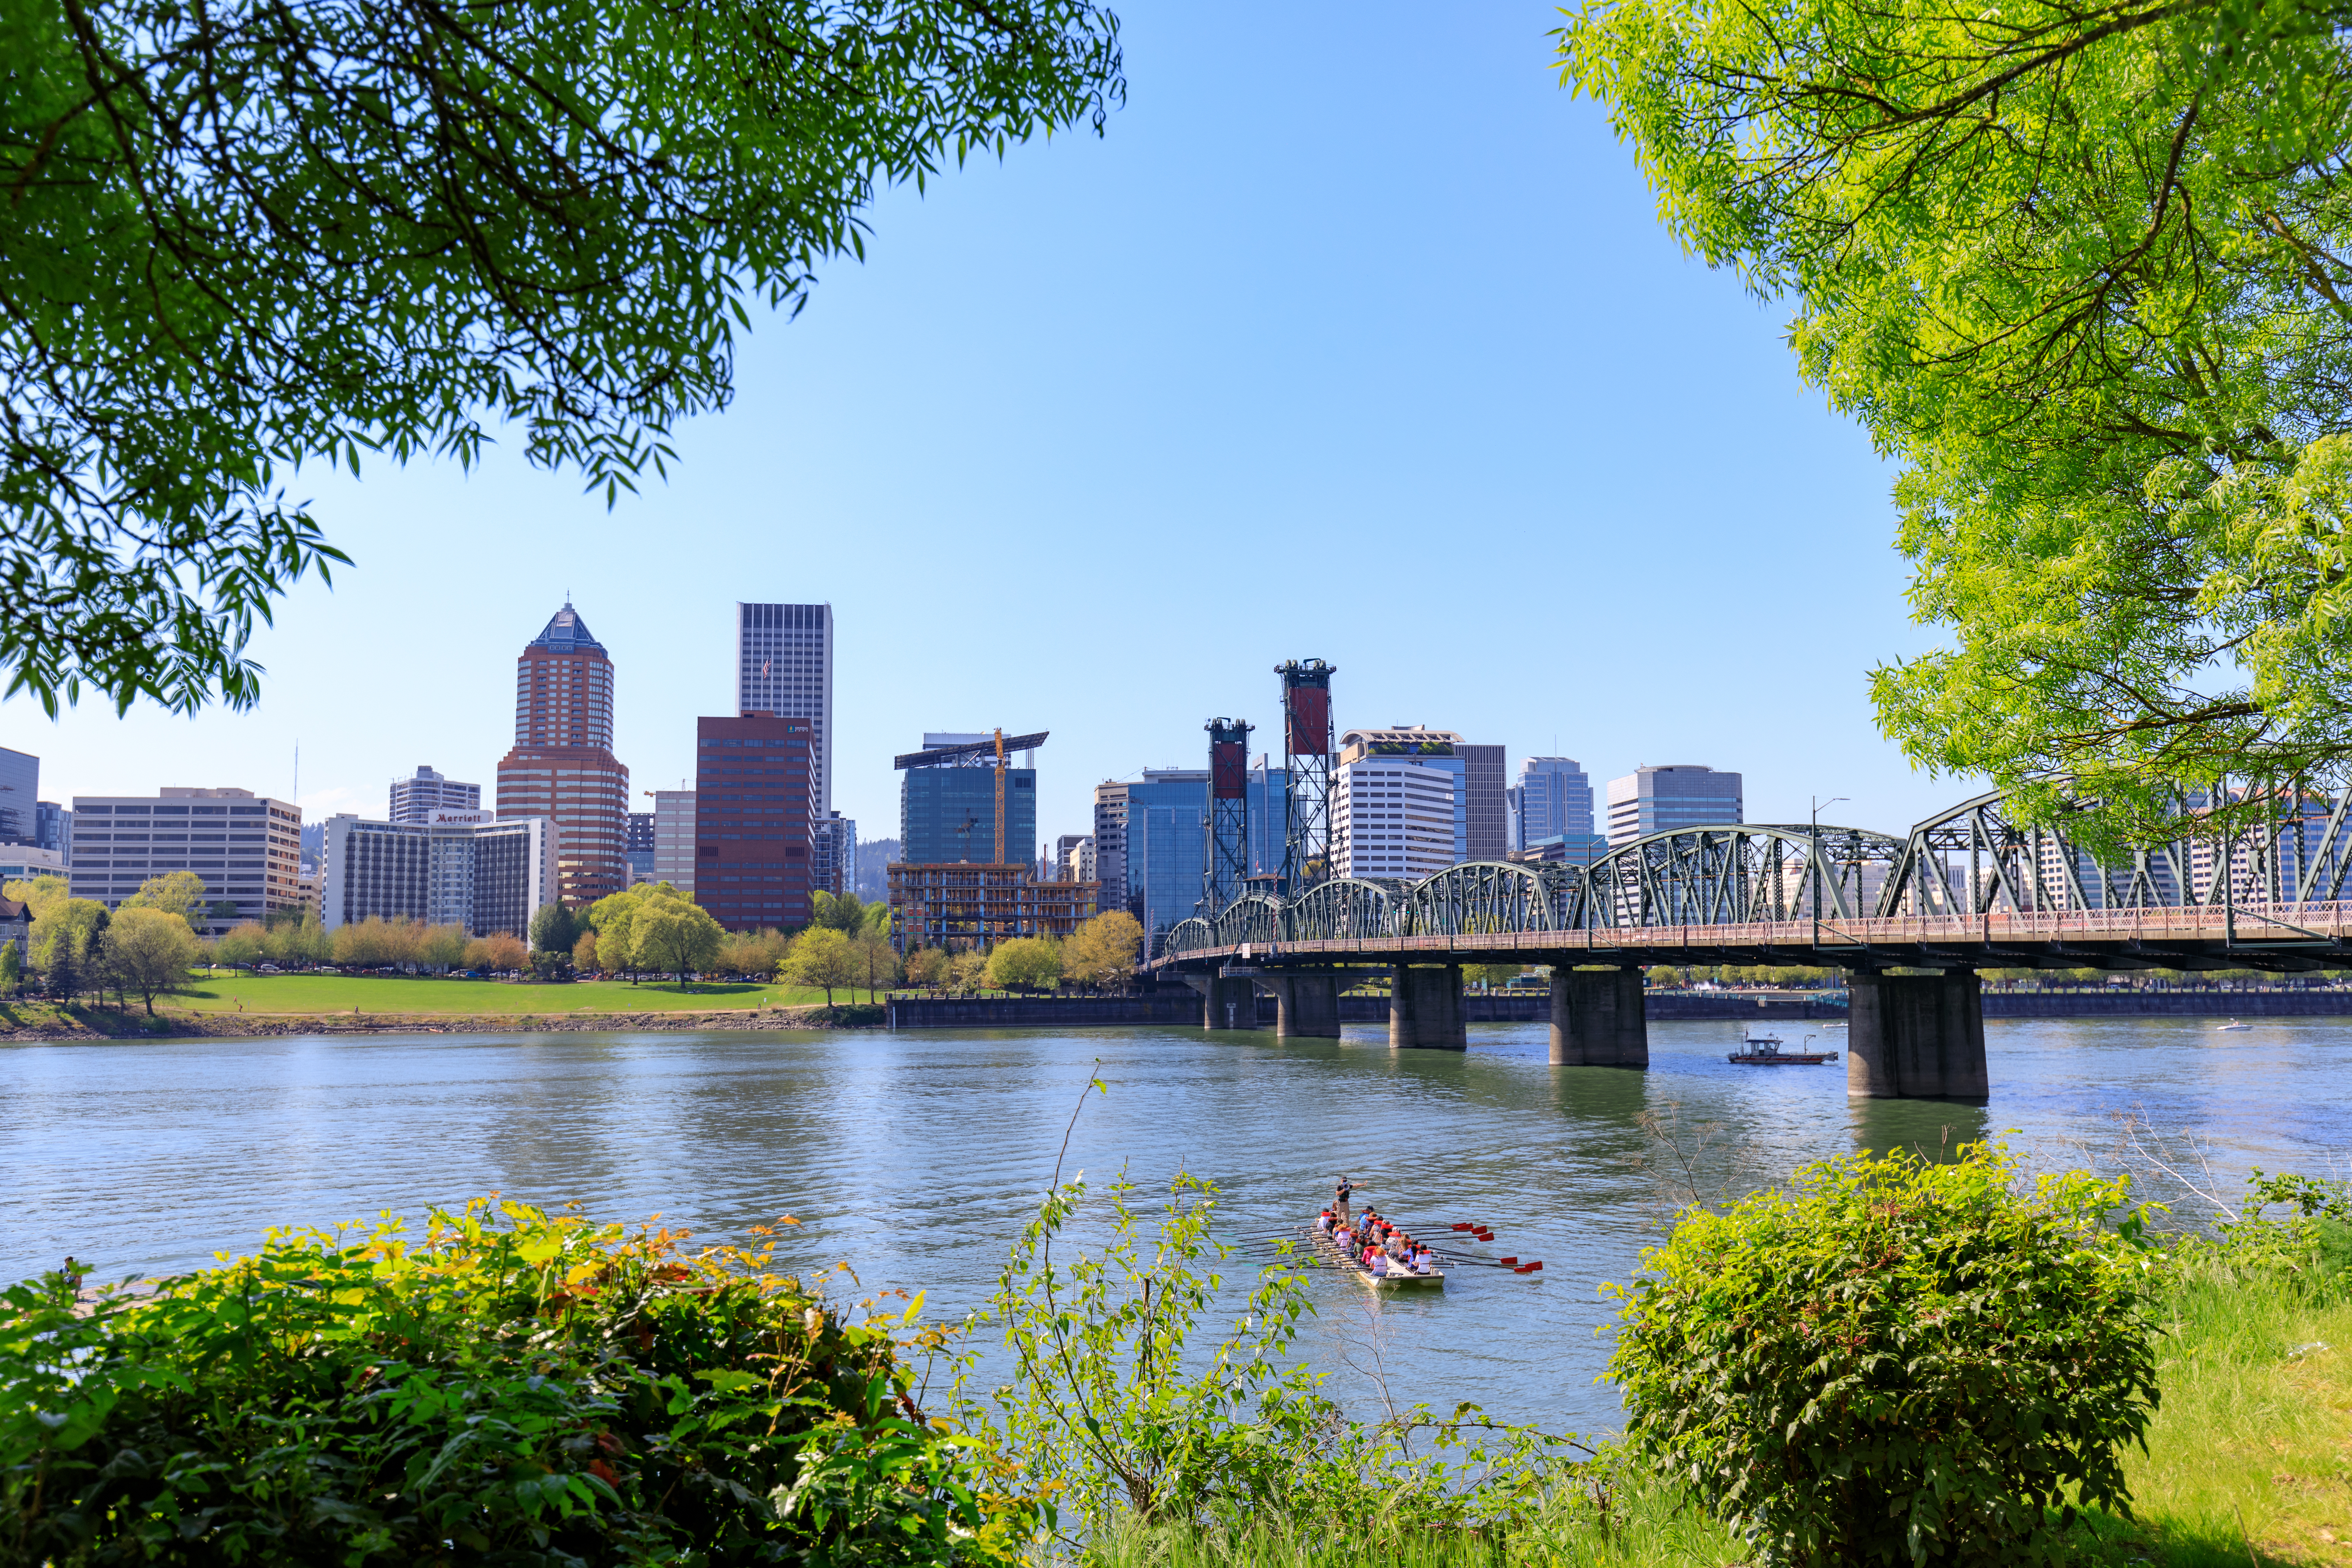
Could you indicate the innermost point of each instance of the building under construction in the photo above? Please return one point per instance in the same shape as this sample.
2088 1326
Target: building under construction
967 820
974 906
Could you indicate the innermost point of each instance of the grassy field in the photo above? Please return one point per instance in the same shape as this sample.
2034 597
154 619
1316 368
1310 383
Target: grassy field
2249 1465
324 994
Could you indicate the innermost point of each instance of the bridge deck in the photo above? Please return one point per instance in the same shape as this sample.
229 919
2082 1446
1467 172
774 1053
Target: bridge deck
2280 936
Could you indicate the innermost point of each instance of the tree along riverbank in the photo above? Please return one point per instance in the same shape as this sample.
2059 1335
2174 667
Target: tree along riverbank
27 1022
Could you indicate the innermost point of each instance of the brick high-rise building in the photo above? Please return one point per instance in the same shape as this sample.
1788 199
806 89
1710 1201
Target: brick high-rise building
755 798
562 766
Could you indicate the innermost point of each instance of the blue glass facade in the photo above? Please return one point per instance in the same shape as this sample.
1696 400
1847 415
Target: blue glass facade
1165 849
1551 798
948 814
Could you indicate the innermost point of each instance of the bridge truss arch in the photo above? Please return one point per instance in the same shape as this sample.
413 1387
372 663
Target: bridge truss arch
1193 935
1732 874
1252 917
1343 907
1478 897
1974 860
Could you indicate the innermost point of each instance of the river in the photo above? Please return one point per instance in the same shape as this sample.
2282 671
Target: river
915 1156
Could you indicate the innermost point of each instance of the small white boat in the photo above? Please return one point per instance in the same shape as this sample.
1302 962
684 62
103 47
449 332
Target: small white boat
2231 1025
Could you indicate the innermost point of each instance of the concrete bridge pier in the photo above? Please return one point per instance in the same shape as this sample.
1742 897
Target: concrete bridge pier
1425 1008
1598 1018
1306 1006
1227 1001
1916 1037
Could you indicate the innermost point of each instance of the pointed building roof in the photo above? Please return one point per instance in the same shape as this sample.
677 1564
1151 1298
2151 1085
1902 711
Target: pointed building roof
566 633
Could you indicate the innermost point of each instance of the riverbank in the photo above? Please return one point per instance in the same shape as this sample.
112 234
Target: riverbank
28 1023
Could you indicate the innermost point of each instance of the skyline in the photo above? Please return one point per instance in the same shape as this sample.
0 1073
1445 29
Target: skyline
1162 410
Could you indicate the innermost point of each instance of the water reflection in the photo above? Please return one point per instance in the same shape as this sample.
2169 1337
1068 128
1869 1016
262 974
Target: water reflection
915 1157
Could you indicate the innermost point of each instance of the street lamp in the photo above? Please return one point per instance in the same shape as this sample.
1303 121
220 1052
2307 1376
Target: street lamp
1816 857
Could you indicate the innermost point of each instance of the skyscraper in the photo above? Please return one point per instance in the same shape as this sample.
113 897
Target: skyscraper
1485 804
20 789
1665 799
414 800
1165 848
1551 798
1401 802
784 666
755 794
562 766
1110 846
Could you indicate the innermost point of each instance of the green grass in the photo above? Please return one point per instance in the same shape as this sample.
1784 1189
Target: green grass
2251 1451
325 993
2249 1465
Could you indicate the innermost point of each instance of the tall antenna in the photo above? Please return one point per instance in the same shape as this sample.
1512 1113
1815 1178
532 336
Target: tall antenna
297 802
1307 754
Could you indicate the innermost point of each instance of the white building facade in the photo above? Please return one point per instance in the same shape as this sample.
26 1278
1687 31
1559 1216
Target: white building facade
674 838
463 868
416 798
784 666
1399 818
245 849
1665 799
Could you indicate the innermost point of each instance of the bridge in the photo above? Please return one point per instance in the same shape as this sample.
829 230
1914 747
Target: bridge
1911 921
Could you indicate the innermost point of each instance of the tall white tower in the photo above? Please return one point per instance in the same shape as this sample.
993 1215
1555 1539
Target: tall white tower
783 664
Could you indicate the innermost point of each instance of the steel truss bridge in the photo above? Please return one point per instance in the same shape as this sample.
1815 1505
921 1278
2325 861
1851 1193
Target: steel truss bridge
1964 890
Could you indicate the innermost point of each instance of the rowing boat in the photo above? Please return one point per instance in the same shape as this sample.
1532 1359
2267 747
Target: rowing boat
1396 1279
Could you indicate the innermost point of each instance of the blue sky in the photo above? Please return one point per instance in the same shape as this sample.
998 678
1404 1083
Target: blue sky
1355 337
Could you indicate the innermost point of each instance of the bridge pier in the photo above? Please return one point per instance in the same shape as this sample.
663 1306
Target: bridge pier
1227 1001
1425 1008
1598 1018
1916 1037
1306 1006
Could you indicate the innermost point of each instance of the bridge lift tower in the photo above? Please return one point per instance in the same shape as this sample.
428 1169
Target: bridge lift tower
1307 753
1226 863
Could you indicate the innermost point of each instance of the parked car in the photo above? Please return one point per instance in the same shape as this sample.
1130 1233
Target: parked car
270 969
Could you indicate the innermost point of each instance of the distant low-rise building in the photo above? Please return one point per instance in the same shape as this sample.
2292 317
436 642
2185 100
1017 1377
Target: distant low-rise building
245 848
23 860
1563 850
16 927
416 798
834 839
641 848
1668 799
674 838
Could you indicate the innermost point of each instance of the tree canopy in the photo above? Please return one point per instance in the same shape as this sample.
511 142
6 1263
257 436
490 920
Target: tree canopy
2083 268
150 949
244 236
179 893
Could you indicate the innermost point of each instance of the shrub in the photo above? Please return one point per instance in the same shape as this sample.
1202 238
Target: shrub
1897 1362
538 1391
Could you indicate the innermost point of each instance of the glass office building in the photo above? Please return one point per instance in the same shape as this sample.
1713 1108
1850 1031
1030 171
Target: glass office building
946 814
